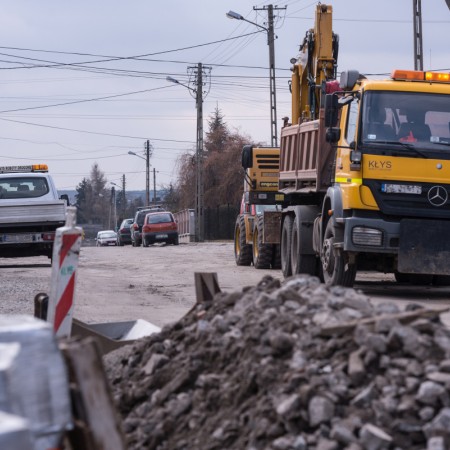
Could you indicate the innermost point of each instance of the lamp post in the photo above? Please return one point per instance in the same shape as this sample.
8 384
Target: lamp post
147 171
271 44
199 205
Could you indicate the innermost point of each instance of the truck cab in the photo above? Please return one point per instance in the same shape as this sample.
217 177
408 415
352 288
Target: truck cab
392 174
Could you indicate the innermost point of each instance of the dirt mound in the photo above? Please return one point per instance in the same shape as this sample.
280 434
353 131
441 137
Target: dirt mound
273 367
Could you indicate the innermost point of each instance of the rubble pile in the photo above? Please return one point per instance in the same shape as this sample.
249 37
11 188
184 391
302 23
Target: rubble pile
288 367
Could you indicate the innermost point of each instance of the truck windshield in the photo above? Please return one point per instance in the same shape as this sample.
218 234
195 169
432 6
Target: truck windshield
421 119
23 187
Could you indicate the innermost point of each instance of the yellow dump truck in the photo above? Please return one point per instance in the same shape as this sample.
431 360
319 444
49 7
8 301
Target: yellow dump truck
364 169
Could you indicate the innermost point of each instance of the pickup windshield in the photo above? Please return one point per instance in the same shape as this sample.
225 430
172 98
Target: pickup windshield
23 187
418 119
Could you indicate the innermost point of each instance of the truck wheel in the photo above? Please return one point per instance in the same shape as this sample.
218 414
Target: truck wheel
286 235
242 250
301 261
276 257
262 253
336 271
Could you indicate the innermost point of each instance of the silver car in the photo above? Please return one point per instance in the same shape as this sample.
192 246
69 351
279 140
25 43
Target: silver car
108 237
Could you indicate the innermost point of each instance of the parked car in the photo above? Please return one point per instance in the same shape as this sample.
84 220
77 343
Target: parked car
107 237
159 227
136 227
124 233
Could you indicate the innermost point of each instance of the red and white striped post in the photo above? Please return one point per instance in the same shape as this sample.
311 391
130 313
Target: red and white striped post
66 250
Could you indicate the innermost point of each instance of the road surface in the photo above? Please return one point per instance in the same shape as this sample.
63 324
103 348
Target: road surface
156 284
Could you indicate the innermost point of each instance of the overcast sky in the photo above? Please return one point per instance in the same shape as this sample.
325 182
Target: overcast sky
55 52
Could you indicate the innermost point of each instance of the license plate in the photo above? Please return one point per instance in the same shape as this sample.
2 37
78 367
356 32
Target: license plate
17 238
162 236
401 188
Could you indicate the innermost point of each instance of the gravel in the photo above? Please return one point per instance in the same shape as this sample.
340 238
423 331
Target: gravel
272 367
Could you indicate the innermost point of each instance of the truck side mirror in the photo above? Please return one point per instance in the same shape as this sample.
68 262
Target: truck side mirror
333 135
247 157
331 110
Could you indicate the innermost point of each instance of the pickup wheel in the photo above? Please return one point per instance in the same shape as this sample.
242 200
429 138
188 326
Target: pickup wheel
242 250
336 270
302 261
286 235
262 253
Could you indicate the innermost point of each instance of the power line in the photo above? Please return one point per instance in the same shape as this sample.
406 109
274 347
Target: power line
85 100
93 132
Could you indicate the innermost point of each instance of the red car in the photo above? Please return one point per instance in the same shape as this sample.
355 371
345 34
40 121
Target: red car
159 227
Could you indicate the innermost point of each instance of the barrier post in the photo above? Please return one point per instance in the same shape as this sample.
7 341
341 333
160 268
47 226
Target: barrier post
66 251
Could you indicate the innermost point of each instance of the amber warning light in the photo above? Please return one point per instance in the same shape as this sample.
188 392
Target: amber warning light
417 75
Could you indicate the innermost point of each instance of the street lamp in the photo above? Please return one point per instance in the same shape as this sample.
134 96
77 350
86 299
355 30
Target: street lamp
147 171
271 44
199 206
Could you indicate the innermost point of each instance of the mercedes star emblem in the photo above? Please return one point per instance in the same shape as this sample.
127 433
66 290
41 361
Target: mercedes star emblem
437 195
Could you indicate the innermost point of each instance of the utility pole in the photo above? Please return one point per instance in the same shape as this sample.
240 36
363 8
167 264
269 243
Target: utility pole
198 71
147 174
273 90
154 185
417 23
200 189
124 198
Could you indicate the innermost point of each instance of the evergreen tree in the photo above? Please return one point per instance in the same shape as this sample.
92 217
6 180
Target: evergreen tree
217 135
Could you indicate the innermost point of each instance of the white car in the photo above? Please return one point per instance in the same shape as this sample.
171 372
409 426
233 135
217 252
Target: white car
108 237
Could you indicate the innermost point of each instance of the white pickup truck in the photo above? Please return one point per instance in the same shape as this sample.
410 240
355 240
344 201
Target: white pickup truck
30 211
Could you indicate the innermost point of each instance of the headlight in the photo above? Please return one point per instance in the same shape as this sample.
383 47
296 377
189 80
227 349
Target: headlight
367 236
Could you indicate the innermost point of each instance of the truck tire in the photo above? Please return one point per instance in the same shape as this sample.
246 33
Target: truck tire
286 235
242 250
336 271
262 253
302 261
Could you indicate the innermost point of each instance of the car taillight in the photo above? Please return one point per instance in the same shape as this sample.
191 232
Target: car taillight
50 236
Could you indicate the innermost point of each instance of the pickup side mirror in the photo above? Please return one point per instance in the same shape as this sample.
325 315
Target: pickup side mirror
66 198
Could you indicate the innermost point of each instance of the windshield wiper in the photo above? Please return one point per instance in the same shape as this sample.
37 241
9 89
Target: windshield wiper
408 146
441 143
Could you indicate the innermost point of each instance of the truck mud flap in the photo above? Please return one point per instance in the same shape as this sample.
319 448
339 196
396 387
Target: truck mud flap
272 227
424 247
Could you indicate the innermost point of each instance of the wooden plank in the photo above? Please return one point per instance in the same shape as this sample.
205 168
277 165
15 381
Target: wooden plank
97 423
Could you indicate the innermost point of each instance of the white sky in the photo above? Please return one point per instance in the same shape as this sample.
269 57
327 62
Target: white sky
375 37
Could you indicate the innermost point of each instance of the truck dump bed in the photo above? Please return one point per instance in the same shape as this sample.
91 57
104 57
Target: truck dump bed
306 159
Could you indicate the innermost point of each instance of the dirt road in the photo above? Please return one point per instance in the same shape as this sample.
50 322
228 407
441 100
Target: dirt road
126 283
157 283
